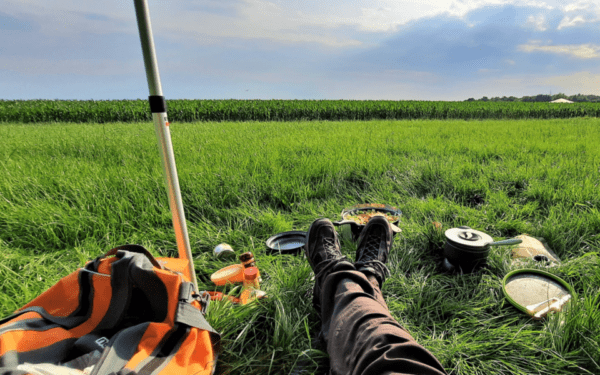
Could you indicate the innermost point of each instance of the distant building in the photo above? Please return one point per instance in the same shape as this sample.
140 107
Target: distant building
561 100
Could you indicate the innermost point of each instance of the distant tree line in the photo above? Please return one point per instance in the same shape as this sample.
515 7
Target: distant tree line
540 98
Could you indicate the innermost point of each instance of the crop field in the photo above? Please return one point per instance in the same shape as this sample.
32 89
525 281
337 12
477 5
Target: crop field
90 111
70 192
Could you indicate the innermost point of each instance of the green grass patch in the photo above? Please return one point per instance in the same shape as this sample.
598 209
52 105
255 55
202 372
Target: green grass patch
70 192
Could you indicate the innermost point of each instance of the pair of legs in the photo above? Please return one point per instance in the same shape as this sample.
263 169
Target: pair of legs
357 328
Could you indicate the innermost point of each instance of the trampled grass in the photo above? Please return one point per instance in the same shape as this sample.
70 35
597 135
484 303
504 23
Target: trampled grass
70 192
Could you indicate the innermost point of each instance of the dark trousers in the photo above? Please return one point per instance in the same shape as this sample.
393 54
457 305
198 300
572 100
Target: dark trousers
361 335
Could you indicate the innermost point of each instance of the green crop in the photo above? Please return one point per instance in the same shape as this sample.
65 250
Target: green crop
103 111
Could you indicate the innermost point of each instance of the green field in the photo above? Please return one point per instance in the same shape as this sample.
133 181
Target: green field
70 192
184 110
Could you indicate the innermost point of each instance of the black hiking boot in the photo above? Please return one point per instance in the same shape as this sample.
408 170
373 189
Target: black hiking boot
322 250
374 245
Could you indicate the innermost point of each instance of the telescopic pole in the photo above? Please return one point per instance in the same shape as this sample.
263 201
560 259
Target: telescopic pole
158 107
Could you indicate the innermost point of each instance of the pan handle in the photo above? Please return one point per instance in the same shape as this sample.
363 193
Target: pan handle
342 222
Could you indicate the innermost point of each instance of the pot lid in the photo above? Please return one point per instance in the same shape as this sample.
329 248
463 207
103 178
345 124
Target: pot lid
465 236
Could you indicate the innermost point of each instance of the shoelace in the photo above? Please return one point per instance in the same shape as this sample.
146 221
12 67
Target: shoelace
329 247
371 249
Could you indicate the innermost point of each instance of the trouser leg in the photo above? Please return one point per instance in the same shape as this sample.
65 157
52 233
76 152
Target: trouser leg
361 335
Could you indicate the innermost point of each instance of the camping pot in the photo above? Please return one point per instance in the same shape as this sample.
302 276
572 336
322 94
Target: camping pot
351 227
466 248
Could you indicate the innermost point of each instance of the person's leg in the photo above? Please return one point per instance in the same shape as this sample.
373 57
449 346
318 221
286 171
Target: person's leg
360 334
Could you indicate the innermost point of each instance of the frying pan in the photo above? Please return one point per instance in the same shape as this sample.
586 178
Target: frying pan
357 227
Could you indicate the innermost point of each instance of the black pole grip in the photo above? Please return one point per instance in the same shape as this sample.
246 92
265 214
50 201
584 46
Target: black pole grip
158 104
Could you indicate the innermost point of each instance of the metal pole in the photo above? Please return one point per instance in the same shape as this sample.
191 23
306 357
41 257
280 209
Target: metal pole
158 108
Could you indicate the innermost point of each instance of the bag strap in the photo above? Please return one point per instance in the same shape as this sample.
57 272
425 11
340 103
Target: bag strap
189 315
133 248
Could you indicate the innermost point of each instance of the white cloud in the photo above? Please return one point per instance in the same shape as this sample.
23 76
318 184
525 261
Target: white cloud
579 5
580 51
316 20
580 12
250 44
255 19
286 21
539 22
570 22
388 15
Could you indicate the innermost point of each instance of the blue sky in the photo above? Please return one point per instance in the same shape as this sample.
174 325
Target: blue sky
280 49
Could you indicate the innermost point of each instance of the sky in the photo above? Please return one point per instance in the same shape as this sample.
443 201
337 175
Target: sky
311 49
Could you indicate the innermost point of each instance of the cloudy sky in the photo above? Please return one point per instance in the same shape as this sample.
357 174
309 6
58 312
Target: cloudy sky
310 49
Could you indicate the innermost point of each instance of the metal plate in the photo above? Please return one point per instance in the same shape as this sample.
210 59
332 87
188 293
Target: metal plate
468 237
287 242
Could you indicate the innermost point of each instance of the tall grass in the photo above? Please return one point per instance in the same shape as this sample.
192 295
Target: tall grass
71 192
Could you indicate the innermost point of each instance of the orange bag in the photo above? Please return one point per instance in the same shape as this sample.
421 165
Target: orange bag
123 313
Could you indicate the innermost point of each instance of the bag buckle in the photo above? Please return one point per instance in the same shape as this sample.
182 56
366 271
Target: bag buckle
204 299
187 295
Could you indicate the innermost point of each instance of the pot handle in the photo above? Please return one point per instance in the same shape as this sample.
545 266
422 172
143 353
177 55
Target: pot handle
512 241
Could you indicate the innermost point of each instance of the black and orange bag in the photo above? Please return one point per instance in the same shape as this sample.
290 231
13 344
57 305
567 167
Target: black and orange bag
123 313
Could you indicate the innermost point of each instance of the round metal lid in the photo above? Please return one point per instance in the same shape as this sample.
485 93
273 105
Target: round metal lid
465 236
287 242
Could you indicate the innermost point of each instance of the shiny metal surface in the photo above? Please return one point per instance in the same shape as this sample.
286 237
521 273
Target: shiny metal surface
223 251
469 238
164 138
145 29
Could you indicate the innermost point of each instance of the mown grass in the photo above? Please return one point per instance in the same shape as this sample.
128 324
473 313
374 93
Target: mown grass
70 192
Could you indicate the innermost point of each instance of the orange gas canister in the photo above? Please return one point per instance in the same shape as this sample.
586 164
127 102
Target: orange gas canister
251 285
247 260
